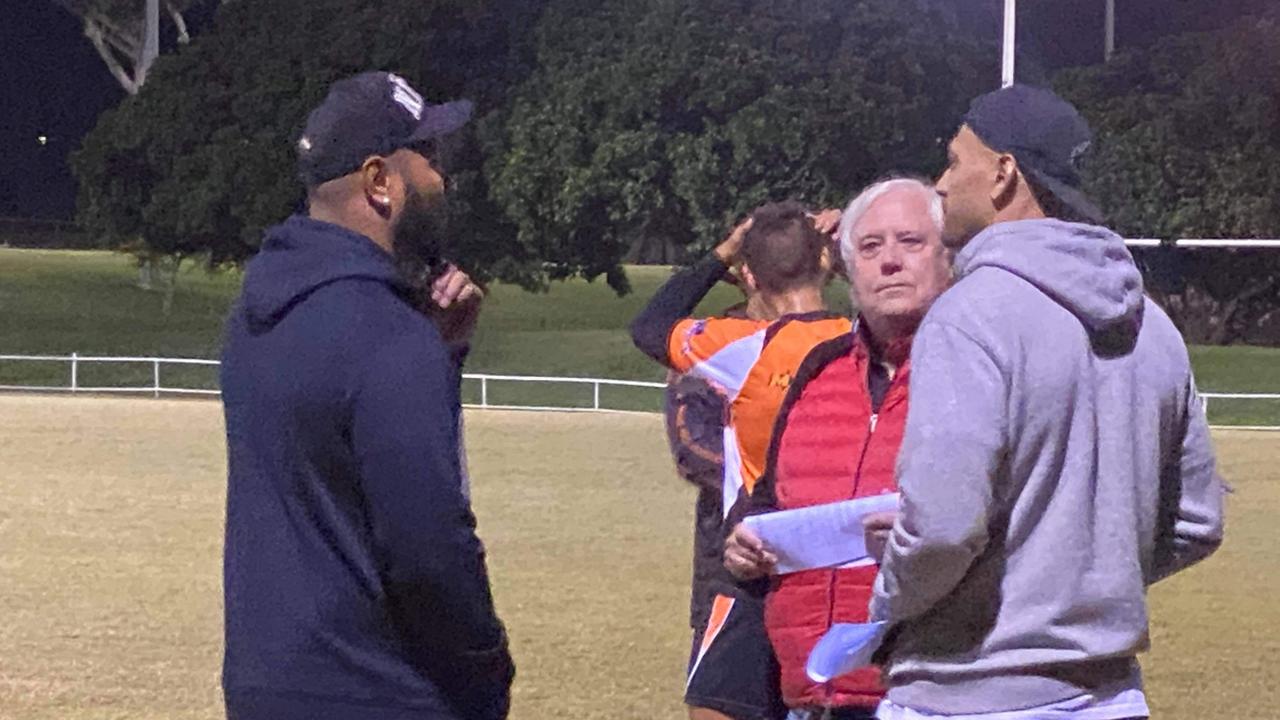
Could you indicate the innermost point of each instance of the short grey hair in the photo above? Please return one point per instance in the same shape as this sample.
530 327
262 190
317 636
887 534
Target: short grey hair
865 199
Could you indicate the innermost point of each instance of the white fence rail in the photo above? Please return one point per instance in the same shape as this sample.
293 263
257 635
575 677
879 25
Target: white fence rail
595 383
1220 243
74 363
157 388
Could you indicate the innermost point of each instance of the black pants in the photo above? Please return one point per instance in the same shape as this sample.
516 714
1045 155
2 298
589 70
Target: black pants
731 667
245 704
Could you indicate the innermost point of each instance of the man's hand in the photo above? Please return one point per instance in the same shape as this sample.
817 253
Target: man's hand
827 221
455 305
876 528
729 248
745 555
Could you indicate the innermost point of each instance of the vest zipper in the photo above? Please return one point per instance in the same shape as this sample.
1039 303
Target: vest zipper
831 587
829 686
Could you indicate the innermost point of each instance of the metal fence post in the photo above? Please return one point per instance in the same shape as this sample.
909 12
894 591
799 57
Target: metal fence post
155 375
596 404
75 369
484 392
1204 405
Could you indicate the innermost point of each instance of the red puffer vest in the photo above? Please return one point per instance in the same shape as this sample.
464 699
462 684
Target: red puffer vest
829 446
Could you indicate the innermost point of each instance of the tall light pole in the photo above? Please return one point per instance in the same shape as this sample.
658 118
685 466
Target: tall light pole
126 42
150 42
1110 43
1010 33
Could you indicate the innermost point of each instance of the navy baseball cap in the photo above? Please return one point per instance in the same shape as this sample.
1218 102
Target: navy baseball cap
1044 133
373 113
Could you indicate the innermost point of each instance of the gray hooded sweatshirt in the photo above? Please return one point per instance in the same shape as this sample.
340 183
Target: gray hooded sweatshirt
1056 462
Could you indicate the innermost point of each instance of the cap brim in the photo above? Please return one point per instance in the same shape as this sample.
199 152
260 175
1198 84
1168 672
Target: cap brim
440 120
1085 209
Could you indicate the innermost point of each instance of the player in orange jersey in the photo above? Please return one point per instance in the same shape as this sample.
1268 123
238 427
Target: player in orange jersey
786 259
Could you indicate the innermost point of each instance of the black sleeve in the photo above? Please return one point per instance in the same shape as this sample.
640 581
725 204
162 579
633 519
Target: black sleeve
673 302
405 435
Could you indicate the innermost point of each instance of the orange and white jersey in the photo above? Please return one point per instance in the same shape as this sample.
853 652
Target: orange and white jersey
751 362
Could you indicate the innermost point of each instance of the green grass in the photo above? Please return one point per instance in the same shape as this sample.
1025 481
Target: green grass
110 582
54 302
1239 370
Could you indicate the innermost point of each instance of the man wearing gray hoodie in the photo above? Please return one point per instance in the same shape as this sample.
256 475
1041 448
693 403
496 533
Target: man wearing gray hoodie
1056 460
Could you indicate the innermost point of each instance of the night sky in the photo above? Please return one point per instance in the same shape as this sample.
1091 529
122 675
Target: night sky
53 84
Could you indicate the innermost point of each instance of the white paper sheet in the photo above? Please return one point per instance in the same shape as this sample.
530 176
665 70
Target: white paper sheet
819 536
843 649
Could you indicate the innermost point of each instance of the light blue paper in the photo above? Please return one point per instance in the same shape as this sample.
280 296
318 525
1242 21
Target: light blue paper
819 536
845 648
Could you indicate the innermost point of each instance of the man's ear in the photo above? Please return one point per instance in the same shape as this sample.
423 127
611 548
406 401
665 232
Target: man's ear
749 278
1005 180
375 180
826 260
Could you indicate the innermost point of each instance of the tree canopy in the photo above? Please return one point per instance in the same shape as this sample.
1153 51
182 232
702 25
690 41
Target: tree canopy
640 130
613 121
202 161
665 121
1189 146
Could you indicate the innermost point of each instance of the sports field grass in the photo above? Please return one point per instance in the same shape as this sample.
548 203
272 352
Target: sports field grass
88 303
111 518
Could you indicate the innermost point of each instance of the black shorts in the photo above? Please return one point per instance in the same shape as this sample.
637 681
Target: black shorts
732 668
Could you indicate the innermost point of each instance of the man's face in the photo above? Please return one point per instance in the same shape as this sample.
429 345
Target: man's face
899 262
967 187
418 233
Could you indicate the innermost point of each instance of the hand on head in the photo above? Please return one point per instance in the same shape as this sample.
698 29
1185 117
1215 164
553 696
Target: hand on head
729 249
827 221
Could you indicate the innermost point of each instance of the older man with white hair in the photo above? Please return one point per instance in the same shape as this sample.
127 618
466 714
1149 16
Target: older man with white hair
838 432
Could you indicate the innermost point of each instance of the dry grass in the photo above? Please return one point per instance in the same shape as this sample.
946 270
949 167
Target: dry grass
110 536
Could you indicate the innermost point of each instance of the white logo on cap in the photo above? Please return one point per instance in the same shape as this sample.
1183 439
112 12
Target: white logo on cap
1078 151
406 96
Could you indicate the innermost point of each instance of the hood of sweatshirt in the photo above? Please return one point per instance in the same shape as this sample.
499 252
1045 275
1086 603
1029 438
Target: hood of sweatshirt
300 255
1085 268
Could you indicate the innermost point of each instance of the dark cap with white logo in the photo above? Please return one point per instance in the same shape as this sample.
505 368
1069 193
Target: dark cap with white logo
373 113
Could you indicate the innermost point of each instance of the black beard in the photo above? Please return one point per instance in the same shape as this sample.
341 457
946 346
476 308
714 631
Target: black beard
417 243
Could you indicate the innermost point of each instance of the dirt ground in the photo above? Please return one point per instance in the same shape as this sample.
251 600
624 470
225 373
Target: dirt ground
110 585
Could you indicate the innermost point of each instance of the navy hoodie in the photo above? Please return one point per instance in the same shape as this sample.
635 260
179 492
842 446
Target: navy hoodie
355 585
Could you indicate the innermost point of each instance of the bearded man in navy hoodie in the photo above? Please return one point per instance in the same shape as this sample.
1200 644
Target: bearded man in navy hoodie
355 585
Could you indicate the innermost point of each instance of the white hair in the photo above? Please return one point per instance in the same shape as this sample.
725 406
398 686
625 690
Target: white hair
865 199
